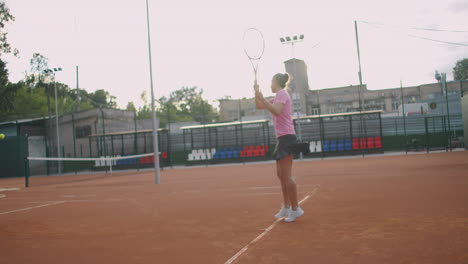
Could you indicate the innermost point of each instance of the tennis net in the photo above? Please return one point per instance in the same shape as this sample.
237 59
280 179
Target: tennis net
84 167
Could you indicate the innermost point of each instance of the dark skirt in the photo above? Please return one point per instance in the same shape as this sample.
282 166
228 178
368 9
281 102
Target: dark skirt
284 146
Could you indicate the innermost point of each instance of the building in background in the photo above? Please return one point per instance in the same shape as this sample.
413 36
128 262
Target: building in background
241 109
344 99
298 86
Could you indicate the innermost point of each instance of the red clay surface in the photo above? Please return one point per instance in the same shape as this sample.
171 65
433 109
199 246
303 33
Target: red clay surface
393 209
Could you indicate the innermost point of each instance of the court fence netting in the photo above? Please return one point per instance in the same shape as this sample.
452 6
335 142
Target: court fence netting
357 133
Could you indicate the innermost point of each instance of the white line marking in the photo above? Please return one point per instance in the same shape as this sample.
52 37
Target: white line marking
2 195
8 189
30 208
264 187
268 229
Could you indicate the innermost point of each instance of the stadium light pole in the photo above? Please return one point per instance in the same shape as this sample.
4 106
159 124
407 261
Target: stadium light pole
360 86
153 114
53 71
291 41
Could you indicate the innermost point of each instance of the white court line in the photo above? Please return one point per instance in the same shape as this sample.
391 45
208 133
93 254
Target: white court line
8 189
268 229
33 207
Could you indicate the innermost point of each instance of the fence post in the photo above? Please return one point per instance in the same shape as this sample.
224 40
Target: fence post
112 144
381 134
396 127
426 135
321 134
47 155
26 172
63 155
90 149
446 133
135 143
169 150
74 135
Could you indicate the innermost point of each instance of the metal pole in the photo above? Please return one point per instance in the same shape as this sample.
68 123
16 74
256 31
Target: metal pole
57 126
135 137
74 136
444 81
404 116
78 100
241 131
169 151
204 130
426 135
155 125
104 145
299 98
360 85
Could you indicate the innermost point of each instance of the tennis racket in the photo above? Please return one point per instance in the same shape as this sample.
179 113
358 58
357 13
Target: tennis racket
254 47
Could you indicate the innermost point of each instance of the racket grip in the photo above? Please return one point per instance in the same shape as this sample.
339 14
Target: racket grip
256 87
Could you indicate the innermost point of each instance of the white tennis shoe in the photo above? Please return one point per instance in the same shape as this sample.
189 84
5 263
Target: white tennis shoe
294 214
283 212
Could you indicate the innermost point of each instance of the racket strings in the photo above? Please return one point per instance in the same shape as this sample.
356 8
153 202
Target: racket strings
254 47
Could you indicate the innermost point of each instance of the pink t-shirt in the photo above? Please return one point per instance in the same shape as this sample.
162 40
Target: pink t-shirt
283 122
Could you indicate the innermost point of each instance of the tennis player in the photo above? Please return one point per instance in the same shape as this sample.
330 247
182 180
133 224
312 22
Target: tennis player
280 108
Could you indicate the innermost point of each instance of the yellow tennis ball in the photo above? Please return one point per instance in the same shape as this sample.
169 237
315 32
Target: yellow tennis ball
2 136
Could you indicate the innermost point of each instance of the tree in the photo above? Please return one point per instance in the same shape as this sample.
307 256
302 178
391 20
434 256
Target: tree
100 98
185 104
460 71
131 107
7 91
5 18
190 104
145 111
38 64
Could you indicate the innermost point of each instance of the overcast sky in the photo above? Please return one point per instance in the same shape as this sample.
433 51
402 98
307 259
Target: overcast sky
199 43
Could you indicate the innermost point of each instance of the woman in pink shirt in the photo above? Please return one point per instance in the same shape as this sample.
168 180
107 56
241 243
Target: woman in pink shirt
280 108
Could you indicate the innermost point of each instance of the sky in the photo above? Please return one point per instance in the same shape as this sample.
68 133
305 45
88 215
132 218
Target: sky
199 43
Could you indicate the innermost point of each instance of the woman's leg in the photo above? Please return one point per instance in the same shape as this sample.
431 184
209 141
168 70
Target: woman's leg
288 181
284 189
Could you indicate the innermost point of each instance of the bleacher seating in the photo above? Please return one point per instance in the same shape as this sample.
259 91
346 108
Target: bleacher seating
252 151
348 144
340 145
333 145
378 142
318 146
370 143
312 145
326 146
362 144
237 152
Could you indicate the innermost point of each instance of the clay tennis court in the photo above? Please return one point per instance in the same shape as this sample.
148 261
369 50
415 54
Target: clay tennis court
390 209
